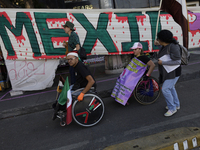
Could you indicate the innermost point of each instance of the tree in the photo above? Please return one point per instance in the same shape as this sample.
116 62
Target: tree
7 4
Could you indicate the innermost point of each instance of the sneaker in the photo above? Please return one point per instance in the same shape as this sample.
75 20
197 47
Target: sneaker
170 113
176 107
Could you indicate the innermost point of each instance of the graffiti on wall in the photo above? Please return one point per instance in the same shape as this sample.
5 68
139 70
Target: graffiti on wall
38 34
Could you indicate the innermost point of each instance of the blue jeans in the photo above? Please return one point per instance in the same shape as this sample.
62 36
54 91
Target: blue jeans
76 93
170 94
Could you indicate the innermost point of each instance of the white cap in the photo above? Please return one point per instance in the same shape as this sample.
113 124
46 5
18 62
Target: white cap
72 54
136 45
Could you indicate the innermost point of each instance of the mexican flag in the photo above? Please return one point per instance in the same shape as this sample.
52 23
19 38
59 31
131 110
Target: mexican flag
66 97
178 10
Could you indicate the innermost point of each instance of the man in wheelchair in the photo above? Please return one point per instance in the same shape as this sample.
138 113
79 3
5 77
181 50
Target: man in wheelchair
84 79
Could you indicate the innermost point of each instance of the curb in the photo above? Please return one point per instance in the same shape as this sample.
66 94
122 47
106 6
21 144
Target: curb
24 110
185 138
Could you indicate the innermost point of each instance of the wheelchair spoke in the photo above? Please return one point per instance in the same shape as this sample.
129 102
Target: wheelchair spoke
145 91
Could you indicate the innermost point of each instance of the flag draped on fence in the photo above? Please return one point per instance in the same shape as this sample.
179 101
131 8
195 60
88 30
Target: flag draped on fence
66 97
178 10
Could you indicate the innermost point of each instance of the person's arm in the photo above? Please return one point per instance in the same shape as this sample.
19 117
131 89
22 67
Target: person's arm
151 65
175 56
78 47
170 63
89 85
156 42
87 88
175 52
65 43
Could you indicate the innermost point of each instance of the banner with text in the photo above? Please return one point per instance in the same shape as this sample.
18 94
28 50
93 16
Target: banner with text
128 80
30 37
31 75
35 34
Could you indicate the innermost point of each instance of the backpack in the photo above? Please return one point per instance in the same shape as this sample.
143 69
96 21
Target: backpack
185 55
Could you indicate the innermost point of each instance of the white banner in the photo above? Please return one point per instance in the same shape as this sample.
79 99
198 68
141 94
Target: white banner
31 75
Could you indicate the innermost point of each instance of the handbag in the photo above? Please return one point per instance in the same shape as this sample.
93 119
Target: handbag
82 53
66 47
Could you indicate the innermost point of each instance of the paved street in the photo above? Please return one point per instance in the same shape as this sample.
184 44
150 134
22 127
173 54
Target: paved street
120 124
25 120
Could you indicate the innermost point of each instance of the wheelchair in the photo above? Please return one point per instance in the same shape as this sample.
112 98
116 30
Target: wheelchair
86 113
147 90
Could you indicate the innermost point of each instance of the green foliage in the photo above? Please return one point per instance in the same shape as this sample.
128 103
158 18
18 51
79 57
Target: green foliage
18 3
22 3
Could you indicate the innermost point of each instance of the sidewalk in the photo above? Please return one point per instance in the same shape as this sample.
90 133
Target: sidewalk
29 102
174 139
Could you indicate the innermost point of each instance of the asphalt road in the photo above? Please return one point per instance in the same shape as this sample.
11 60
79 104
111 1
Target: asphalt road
119 124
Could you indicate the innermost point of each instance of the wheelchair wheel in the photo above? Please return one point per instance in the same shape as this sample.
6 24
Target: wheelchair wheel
88 112
147 92
62 123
